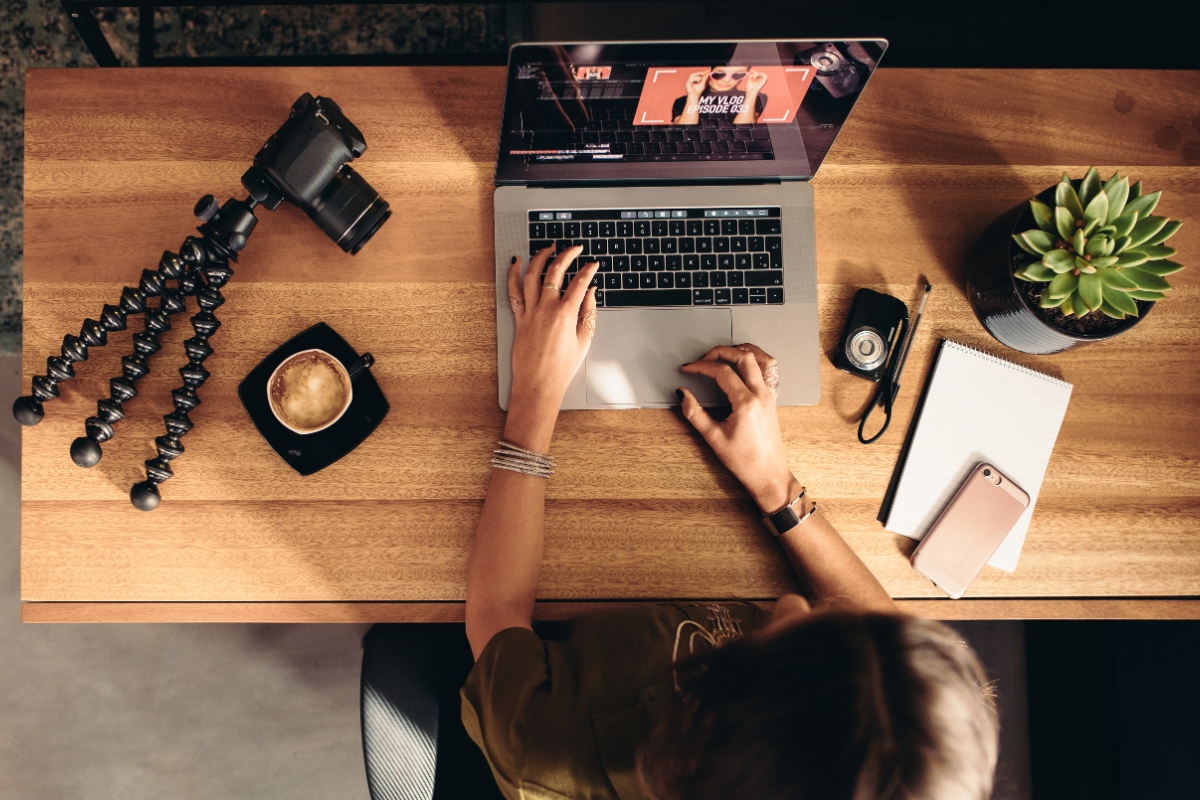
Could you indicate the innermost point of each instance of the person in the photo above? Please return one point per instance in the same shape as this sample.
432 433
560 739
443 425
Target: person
713 94
832 695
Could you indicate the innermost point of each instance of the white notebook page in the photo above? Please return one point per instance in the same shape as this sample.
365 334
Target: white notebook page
978 408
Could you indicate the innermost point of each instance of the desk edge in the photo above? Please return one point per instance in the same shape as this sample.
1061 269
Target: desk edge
369 612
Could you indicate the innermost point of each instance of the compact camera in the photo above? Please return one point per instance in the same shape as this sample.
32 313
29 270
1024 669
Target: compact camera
306 162
871 333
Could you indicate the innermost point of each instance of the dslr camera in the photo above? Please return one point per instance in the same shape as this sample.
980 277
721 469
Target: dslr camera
871 333
307 163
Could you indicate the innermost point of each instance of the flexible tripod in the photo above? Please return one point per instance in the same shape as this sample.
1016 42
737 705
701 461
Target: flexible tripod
200 269
306 162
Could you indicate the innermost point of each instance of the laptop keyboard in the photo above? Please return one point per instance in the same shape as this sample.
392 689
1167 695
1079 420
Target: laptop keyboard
670 257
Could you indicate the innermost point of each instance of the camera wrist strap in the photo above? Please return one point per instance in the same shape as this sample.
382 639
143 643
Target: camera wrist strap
886 393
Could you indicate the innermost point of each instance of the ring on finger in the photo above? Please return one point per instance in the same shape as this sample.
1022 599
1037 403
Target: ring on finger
551 286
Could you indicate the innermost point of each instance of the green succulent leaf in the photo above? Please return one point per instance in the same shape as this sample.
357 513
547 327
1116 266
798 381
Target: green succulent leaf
1109 246
1161 267
1135 191
1089 187
1104 261
1021 276
1132 258
1146 294
1090 227
1116 279
1117 190
1154 251
1097 209
1144 204
1064 223
1108 230
1062 286
1146 229
1065 197
1039 273
1124 223
1166 233
1090 290
1120 301
1110 311
1078 305
1146 280
1042 215
1121 244
1078 241
1059 260
1083 265
1095 246
1047 302
1035 242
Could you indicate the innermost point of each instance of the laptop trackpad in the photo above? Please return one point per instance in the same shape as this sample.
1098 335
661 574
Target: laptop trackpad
636 355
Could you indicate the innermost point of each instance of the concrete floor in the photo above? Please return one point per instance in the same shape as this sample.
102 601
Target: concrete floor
101 712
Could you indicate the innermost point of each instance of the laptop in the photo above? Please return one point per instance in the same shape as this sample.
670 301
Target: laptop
683 168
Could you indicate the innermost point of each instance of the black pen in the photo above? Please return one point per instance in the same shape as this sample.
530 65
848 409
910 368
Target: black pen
908 340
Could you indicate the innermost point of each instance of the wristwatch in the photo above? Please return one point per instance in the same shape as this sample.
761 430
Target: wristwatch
787 518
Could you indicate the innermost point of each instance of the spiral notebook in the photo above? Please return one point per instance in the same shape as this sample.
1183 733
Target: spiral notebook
976 407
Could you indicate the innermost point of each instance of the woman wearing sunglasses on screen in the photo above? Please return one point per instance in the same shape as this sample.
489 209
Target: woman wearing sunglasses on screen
713 94
833 695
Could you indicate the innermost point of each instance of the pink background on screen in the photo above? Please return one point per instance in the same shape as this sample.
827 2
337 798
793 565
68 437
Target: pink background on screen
785 89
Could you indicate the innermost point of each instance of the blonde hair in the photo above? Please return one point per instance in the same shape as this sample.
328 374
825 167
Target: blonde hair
841 706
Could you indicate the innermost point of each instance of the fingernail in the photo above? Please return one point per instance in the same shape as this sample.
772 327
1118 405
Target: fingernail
679 393
684 365
514 260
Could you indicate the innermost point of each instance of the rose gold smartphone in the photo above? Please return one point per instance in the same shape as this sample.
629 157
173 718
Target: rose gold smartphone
970 529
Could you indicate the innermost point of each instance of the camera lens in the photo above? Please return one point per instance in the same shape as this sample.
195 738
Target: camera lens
987 472
866 349
350 210
826 62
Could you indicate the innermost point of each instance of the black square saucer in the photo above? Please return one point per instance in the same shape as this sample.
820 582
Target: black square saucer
311 452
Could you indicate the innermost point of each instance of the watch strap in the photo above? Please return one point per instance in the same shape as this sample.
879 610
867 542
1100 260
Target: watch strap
787 517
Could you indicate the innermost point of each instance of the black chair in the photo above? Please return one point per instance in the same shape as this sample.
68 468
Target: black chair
414 743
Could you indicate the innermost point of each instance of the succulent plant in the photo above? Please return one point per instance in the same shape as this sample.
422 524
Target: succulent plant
1100 247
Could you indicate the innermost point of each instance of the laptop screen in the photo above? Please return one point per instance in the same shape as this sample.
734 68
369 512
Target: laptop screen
677 110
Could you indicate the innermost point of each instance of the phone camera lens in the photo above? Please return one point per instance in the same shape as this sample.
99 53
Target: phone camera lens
987 473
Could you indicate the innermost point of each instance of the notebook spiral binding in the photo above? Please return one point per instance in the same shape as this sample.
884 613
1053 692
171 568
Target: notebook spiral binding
1007 363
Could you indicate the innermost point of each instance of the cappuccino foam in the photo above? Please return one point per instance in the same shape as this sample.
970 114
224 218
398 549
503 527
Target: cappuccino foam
308 391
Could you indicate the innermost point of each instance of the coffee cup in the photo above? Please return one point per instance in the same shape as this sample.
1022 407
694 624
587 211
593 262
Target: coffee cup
312 389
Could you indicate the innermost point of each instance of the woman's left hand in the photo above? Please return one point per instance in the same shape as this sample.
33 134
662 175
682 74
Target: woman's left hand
755 81
553 331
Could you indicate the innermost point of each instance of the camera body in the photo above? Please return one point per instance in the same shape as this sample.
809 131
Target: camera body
871 333
307 163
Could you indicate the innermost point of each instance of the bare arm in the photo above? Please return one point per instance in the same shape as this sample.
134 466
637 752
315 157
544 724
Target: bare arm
749 111
691 108
749 443
552 336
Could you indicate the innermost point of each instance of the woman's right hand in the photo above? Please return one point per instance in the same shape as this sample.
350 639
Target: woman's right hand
748 441
696 83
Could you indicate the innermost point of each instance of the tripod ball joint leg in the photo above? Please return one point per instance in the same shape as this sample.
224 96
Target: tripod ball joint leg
225 233
86 451
28 410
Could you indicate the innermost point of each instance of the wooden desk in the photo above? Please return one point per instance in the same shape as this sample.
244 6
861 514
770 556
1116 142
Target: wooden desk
115 159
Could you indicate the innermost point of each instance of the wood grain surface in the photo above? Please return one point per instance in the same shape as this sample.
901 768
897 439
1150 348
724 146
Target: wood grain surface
639 509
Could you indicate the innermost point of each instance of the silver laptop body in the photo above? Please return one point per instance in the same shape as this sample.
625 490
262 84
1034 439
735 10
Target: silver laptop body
635 356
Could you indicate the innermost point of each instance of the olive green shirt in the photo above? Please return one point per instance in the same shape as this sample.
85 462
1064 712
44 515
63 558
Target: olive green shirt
562 715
